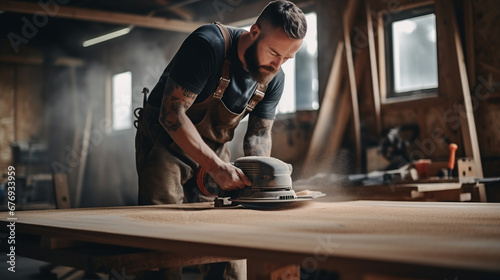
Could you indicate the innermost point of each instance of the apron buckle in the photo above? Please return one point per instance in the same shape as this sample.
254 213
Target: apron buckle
223 83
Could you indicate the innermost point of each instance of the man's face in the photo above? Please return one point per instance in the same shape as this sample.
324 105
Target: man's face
267 53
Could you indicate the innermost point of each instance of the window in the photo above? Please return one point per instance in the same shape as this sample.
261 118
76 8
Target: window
301 82
121 111
411 52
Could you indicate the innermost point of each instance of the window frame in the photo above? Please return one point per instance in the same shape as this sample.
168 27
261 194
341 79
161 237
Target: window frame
390 94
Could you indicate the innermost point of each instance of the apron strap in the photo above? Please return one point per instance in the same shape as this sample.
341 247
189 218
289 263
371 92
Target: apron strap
258 95
260 91
224 79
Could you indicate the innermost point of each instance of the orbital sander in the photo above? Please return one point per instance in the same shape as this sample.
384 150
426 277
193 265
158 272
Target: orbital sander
271 185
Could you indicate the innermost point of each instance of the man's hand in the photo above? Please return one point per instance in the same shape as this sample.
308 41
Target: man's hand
229 177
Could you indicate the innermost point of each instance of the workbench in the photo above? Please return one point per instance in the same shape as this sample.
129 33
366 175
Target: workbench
355 239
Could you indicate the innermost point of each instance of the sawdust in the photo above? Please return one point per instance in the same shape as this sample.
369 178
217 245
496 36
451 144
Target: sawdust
341 218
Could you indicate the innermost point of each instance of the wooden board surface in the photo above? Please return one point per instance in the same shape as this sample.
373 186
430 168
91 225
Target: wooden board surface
377 236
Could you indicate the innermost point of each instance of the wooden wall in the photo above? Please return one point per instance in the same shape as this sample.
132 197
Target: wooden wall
21 104
484 61
444 115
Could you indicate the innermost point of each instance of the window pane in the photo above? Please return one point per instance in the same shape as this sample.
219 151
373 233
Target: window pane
415 54
287 101
122 101
306 61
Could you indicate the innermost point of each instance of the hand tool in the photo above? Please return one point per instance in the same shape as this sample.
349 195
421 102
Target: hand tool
271 185
451 160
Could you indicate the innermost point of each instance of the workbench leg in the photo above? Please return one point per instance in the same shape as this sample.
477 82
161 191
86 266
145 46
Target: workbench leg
260 270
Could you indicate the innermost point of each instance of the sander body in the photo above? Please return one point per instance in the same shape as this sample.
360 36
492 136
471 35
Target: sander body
271 185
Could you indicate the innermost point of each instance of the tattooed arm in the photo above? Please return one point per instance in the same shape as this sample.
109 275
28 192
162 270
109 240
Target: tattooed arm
176 100
258 140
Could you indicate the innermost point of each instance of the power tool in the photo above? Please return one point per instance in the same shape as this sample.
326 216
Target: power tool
271 185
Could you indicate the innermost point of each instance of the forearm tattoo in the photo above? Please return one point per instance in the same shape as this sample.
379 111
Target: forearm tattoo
176 100
258 140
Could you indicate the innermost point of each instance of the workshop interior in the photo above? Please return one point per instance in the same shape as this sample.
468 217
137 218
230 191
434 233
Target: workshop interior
386 104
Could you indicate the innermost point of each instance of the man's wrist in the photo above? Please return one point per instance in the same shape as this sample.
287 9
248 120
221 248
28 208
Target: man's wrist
212 165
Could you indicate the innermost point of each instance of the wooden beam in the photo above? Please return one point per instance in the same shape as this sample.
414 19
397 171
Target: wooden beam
101 16
373 69
469 132
381 58
61 190
83 158
456 81
469 41
326 113
345 110
348 24
38 60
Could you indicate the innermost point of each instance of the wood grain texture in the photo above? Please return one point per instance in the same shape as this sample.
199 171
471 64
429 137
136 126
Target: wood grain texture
372 236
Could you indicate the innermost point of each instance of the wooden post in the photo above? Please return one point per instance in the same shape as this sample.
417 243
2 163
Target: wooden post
373 70
348 23
326 112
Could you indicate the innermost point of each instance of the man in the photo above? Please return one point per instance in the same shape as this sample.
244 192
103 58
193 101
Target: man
191 114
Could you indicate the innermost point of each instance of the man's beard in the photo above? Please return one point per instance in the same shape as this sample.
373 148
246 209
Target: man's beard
259 73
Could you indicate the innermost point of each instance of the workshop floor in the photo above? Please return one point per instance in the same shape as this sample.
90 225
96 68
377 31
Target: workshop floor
27 269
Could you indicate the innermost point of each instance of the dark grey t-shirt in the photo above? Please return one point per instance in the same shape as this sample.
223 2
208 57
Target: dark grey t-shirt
197 66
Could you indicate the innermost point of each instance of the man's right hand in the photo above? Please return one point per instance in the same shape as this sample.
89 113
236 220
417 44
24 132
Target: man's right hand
229 177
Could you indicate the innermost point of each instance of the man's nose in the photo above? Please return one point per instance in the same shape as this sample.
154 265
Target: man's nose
277 62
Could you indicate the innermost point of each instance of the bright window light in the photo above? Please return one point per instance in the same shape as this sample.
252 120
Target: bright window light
122 101
414 54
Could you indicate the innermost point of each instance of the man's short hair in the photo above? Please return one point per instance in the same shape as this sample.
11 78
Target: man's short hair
284 14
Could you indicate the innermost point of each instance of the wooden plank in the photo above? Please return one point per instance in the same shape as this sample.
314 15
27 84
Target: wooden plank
469 41
98 258
61 190
353 93
101 16
373 69
344 112
381 58
468 126
85 141
316 159
348 24
326 112
411 238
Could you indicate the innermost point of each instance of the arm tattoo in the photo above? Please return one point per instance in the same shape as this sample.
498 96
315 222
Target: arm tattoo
258 140
176 100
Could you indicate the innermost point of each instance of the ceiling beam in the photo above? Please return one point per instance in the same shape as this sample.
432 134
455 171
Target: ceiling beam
39 60
100 16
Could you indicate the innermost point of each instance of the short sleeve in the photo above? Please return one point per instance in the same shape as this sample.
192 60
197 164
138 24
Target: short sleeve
194 63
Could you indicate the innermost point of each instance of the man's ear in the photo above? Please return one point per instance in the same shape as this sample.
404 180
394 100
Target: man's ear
255 32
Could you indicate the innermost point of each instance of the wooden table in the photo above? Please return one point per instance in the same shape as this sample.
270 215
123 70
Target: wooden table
356 239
